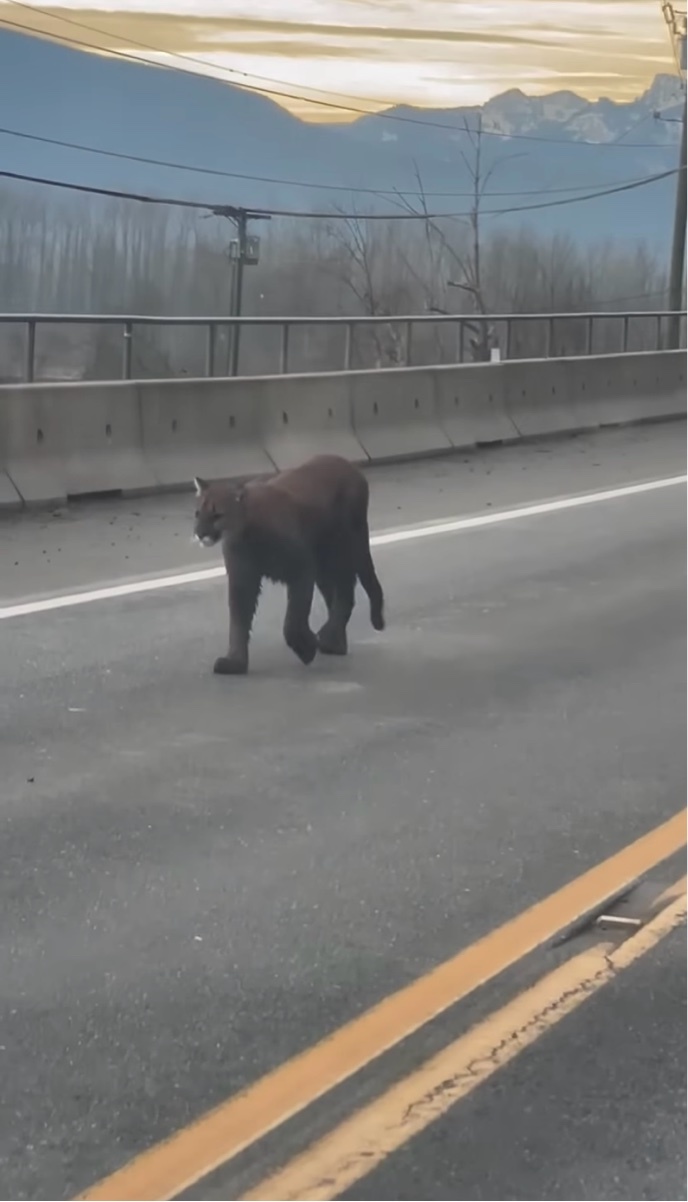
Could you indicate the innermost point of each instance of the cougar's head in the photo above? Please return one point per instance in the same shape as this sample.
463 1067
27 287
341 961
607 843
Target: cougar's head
219 509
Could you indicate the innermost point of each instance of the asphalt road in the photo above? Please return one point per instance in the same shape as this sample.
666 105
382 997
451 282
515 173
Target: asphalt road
203 876
595 1110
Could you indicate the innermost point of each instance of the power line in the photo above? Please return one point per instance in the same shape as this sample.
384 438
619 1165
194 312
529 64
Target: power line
551 204
117 194
347 108
334 215
294 183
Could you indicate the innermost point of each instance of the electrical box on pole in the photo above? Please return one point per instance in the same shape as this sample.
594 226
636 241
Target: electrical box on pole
251 250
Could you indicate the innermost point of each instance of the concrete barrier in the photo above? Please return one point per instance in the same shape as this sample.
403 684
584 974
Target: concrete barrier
559 395
303 416
628 388
210 428
471 406
395 412
539 398
62 440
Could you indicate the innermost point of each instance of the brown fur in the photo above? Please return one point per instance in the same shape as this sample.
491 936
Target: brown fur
305 527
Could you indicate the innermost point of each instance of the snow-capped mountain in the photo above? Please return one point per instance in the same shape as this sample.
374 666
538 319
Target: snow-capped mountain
561 116
567 115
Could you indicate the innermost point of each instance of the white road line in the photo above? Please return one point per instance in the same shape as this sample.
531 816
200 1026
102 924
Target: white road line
451 525
446 526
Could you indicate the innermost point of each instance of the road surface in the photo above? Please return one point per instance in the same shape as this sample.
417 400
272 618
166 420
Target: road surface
203 877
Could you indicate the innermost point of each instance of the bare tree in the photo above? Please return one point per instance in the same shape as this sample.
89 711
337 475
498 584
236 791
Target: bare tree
366 255
464 254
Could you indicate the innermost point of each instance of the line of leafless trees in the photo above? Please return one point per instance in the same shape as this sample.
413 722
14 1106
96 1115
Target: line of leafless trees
93 255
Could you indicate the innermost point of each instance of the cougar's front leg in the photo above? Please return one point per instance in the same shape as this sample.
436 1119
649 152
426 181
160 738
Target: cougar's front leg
244 589
297 630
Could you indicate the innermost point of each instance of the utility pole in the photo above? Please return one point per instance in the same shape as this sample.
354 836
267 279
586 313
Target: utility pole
244 250
678 246
238 287
676 23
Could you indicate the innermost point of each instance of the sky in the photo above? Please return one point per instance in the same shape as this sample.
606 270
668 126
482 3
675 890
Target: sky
431 53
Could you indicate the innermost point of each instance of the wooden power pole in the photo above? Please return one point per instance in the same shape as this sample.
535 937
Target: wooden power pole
676 23
244 251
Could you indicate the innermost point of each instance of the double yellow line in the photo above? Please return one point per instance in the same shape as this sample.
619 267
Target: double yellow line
329 1167
332 1165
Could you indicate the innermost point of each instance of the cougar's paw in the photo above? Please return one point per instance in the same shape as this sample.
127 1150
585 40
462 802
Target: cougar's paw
304 644
377 617
228 665
332 642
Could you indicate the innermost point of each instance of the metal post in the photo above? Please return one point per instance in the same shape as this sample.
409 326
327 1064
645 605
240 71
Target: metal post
507 351
658 334
550 338
678 247
348 346
626 322
409 343
284 350
30 351
462 334
210 349
589 335
126 350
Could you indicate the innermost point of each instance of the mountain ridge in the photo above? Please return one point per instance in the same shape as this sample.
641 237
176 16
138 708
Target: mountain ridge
555 141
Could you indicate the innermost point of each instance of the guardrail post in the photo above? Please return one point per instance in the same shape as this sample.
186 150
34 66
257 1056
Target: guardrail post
625 334
126 350
284 350
210 349
588 335
658 335
409 343
549 339
507 349
461 341
348 346
30 351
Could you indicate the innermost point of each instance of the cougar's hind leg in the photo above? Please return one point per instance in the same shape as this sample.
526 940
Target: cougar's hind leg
341 581
324 580
330 640
365 570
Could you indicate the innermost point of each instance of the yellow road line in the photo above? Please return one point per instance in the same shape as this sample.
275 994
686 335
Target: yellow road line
331 1166
174 1165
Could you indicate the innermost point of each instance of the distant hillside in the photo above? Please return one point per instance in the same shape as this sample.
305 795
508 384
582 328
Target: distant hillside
567 142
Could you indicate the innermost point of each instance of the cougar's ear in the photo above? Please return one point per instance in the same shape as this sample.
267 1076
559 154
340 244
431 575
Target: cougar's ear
200 485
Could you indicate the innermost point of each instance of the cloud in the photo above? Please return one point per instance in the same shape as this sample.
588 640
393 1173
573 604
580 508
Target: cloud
379 49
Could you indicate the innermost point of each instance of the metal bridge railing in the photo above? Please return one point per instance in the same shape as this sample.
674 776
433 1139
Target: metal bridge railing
477 335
